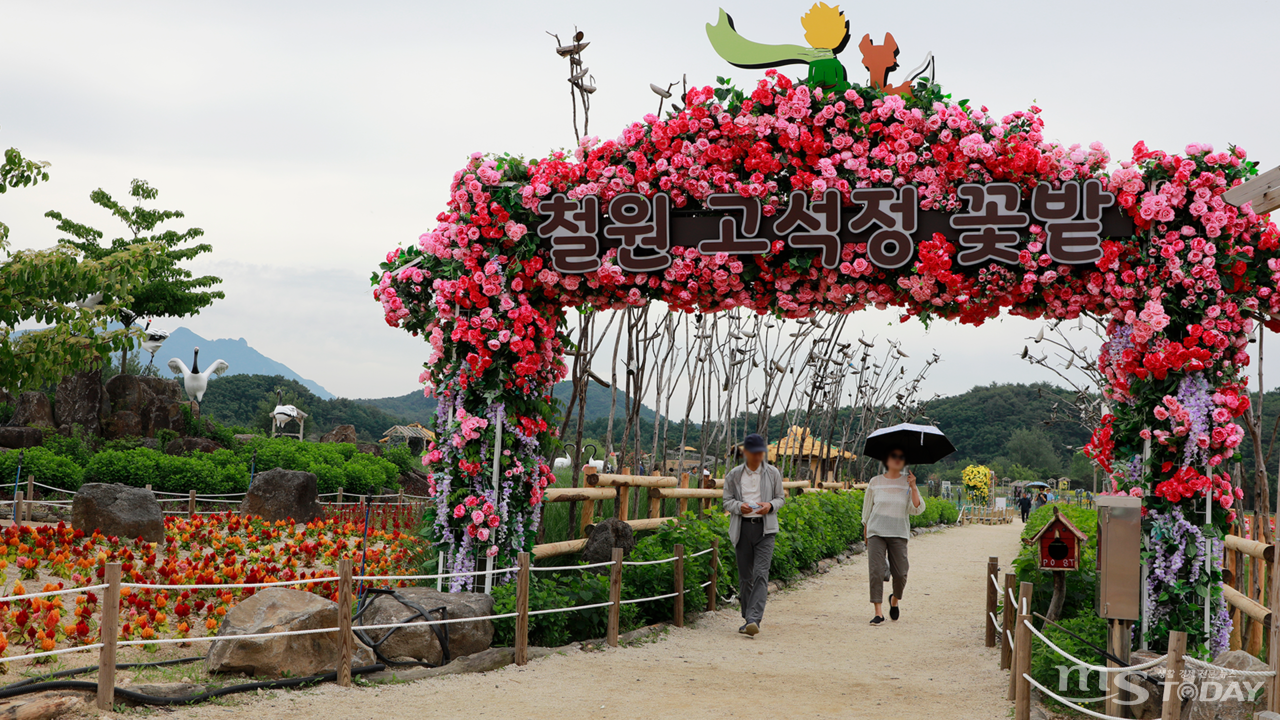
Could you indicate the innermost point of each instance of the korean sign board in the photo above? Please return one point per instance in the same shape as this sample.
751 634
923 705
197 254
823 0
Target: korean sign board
991 228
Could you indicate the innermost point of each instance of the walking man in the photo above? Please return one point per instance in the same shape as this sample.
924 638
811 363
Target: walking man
1024 505
752 495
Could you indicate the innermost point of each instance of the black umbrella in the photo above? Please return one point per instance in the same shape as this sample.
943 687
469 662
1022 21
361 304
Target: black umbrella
922 444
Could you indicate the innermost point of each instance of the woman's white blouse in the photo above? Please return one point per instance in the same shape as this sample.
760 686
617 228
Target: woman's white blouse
887 508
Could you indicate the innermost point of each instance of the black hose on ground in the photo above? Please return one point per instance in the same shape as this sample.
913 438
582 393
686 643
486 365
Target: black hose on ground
94 668
137 697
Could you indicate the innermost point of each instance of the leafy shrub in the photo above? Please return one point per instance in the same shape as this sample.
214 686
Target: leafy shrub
1082 584
936 510
402 457
1045 663
47 466
556 591
6 412
206 473
73 448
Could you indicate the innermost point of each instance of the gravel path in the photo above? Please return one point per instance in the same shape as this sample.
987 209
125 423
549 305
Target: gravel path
816 658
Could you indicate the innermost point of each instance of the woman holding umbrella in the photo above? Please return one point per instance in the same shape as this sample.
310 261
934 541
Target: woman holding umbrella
891 499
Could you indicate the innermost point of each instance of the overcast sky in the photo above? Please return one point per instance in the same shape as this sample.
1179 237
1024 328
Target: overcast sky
309 138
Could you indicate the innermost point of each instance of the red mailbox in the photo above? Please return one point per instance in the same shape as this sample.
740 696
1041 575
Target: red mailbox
1059 542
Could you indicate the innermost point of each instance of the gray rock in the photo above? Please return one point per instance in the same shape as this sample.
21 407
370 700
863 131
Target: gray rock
119 510
79 401
825 565
421 643
281 494
33 408
182 446
857 548
122 424
279 609
1225 695
369 448
340 434
606 535
244 437
156 402
20 437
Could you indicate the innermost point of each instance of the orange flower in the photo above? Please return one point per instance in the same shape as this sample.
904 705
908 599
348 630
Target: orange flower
211 624
220 611
161 618
148 633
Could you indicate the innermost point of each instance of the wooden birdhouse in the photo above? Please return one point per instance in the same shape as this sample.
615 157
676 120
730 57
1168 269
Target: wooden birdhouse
1059 543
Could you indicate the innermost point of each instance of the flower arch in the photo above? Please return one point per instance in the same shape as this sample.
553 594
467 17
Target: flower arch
1179 296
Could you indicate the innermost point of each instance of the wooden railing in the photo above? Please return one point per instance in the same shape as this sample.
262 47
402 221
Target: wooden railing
599 487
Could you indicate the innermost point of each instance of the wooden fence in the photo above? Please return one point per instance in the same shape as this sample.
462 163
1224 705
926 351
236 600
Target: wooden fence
599 487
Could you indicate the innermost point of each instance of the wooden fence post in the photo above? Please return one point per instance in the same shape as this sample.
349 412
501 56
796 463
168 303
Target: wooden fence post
588 515
993 594
683 503
1173 675
18 508
522 610
191 505
110 631
1024 602
1022 658
615 597
346 641
679 576
712 590
1118 644
31 494
655 503
1273 651
339 499
1006 646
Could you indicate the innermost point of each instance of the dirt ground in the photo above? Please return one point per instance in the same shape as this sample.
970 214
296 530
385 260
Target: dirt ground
816 657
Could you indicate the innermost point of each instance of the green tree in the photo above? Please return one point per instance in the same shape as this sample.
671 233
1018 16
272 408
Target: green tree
1030 447
43 286
171 290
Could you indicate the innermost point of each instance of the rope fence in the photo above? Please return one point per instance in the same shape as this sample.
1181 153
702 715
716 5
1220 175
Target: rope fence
1008 618
114 588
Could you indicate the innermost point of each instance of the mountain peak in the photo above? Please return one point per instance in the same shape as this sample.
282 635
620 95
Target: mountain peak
241 358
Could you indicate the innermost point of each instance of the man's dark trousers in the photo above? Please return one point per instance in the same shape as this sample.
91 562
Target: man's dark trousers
754 552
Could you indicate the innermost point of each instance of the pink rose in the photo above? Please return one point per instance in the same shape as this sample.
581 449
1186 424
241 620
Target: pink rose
477 517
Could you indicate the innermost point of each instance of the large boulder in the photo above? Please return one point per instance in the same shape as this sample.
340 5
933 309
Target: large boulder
156 403
182 446
1226 695
20 437
281 494
119 510
33 408
274 610
124 423
340 434
605 536
80 400
420 642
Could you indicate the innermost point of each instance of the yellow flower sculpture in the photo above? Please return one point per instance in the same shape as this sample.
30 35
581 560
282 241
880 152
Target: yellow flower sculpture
977 481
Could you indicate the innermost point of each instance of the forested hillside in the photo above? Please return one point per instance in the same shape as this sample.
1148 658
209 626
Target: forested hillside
247 400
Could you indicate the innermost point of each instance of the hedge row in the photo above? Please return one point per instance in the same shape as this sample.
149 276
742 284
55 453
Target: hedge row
65 463
812 527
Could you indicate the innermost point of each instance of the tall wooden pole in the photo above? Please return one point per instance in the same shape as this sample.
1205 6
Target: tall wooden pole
1172 707
712 589
1022 658
1010 613
110 632
346 641
679 582
522 610
615 597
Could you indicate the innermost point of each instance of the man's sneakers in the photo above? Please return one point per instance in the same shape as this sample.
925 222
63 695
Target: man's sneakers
749 629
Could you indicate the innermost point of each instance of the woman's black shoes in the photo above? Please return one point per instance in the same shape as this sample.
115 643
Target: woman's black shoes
893 609
877 620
